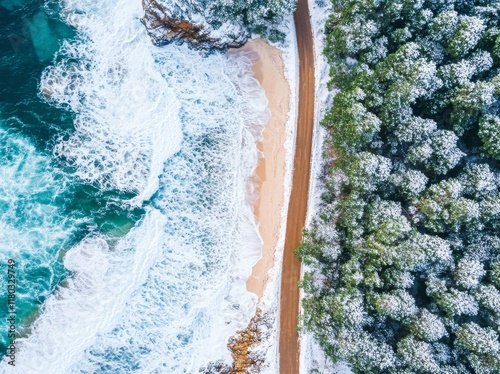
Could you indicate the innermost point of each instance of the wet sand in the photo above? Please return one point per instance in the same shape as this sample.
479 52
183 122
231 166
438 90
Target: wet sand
270 173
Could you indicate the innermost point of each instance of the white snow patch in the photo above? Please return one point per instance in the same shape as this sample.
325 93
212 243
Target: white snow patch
270 301
312 356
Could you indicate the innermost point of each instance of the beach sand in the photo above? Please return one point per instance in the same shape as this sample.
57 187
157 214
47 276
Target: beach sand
270 173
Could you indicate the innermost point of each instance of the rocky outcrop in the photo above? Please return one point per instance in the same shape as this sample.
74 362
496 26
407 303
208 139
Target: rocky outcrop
164 27
247 358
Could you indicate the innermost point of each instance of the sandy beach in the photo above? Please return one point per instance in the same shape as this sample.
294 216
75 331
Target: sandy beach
270 173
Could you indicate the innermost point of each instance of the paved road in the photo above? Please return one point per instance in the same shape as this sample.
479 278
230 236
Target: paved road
289 339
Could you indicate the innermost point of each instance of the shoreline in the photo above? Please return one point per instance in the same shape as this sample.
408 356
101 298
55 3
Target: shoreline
269 70
275 67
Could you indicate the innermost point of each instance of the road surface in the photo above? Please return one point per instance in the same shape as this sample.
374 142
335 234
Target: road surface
297 209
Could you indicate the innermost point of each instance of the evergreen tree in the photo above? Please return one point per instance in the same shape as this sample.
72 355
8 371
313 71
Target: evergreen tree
405 251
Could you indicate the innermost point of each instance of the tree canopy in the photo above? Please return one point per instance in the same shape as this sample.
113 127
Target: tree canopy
403 257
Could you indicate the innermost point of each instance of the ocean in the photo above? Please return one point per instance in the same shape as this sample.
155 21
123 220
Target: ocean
125 194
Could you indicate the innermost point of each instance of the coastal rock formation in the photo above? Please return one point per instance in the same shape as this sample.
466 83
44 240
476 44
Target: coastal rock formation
169 23
244 347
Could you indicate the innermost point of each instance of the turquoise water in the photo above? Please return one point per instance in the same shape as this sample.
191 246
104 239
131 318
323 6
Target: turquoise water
44 208
124 191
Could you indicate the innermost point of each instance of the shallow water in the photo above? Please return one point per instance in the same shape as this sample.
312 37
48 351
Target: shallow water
124 191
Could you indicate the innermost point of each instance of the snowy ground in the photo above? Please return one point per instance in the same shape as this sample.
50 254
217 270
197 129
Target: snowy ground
269 304
312 358
311 355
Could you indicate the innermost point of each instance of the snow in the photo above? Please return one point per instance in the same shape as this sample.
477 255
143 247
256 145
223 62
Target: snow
270 302
311 354
323 98
223 32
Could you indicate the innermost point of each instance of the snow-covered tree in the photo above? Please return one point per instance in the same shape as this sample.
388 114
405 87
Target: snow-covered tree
495 273
410 183
417 355
435 287
397 278
414 129
347 309
398 305
365 354
478 180
428 327
483 345
460 73
442 27
421 251
445 209
470 102
367 171
469 272
408 77
482 247
490 210
489 297
457 303
496 48
489 132
466 35
355 127
437 154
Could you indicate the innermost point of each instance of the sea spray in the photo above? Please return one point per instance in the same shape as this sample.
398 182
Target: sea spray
178 130
91 300
32 217
126 115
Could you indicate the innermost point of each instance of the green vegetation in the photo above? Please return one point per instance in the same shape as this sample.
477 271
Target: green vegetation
258 16
404 256
249 12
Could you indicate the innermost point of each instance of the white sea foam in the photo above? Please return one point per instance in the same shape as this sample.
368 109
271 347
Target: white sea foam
166 298
30 216
270 302
195 296
127 116
92 299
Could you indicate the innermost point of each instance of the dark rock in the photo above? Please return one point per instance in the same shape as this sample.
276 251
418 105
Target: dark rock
165 29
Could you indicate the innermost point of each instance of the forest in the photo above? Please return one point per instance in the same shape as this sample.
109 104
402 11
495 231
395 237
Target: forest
248 12
257 16
403 257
